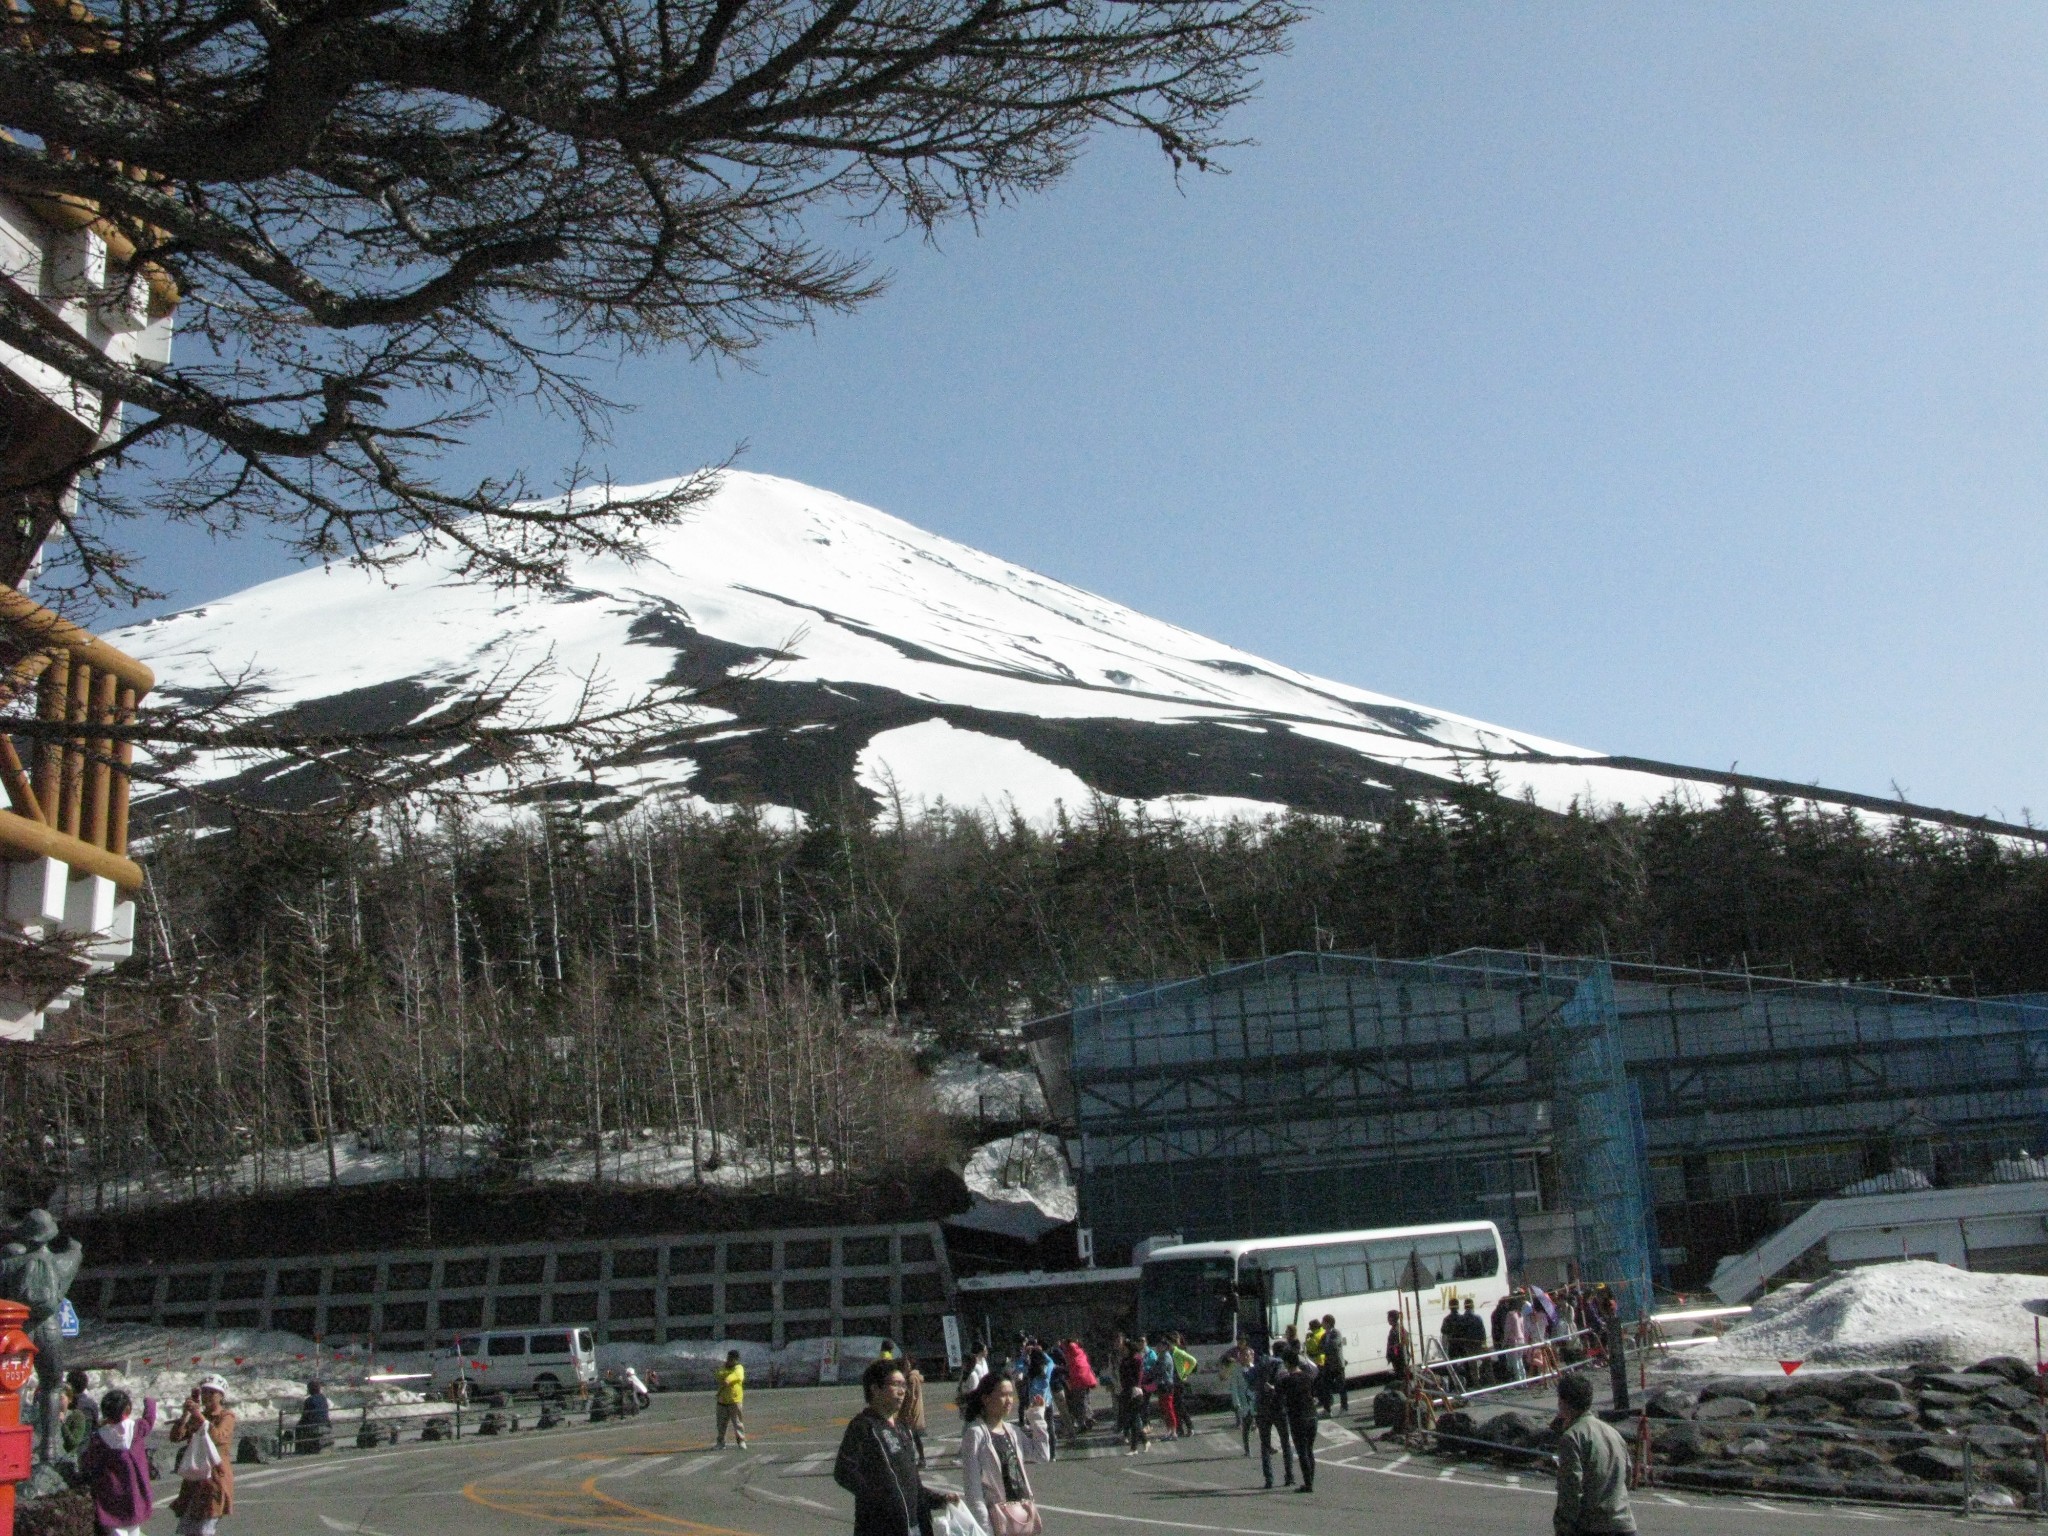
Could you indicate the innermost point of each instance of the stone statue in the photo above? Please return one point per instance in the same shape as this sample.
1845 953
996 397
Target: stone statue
37 1270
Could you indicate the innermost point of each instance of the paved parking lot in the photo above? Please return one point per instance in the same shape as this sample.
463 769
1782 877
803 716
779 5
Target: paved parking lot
657 1473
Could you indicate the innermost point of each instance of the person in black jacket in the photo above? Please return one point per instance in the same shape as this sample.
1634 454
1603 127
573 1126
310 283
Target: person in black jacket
1297 1392
878 1461
1271 1414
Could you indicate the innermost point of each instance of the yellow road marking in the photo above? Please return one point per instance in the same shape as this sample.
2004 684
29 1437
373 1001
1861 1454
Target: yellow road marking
585 1504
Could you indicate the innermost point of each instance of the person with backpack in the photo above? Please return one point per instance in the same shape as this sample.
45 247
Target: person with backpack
1159 1383
1271 1414
1130 1396
1081 1380
1296 1388
114 1465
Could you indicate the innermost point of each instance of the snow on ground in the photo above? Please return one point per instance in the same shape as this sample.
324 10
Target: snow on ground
717 1161
1022 1186
1877 1316
967 1087
265 1370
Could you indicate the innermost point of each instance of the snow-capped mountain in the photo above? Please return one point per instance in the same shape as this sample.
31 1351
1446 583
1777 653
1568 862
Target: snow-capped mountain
854 648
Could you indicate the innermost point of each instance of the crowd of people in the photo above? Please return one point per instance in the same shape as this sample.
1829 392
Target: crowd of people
1013 1412
1529 1333
108 1443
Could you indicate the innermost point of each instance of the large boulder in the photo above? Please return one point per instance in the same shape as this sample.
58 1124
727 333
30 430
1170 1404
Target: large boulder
1935 1463
1853 1458
1676 1442
1725 1410
1750 1388
1855 1386
1513 1427
1673 1402
2020 1475
2013 1399
1885 1410
1999 1439
2008 1368
1967 1383
1809 1406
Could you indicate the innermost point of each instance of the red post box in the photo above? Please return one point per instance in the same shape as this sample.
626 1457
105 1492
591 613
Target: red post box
17 1370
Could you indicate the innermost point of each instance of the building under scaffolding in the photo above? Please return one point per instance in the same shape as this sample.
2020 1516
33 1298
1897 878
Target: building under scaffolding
1662 1117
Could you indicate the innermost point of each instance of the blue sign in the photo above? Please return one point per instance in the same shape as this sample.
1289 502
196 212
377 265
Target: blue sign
67 1319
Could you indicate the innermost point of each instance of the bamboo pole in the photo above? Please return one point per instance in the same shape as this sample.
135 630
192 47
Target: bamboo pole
99 751
51 690
77 703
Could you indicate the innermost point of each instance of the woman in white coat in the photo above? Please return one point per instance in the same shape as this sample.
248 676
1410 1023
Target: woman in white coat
991 1460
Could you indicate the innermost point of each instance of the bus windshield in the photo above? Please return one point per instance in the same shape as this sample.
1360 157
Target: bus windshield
1196 1297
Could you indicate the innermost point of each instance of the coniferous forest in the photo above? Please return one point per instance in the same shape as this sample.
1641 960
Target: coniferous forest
765 996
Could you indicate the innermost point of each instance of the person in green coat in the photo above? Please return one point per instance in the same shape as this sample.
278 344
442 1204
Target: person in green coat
1592 1467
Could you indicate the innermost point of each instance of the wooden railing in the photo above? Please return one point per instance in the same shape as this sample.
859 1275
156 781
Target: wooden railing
70 800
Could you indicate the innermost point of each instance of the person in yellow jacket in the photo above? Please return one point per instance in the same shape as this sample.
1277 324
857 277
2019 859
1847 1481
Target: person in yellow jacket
732 1394
1312 1346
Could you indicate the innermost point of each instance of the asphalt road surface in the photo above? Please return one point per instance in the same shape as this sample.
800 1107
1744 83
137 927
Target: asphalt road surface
658 1474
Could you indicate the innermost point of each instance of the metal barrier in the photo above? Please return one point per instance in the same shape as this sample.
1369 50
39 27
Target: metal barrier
1457 1392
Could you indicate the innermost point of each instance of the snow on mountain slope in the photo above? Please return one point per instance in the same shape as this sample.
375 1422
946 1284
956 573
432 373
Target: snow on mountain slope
858 649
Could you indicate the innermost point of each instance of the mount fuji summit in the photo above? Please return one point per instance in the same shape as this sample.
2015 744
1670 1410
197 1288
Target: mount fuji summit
853 653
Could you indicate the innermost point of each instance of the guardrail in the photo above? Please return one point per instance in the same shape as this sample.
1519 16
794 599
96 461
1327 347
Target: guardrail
484 1413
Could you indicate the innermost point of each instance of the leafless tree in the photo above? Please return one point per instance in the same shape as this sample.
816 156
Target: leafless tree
384 219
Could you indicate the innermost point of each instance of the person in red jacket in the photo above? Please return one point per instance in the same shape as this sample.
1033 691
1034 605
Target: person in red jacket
1081 1380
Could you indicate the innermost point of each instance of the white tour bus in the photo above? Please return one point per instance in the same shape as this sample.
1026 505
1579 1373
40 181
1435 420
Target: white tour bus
550 1361
1216 1293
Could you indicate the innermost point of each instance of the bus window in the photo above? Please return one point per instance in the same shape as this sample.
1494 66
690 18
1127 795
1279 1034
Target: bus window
1478 1256
1197 1297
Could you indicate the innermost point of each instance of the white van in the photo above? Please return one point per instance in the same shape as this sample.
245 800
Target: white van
550 1361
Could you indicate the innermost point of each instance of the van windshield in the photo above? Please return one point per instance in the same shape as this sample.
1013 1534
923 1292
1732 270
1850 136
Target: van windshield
583 1341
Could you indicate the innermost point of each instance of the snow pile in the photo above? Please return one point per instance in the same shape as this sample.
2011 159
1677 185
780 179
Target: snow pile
1022 1186
265 1370
1908 1312
2019 1170
1899 1181
968 1088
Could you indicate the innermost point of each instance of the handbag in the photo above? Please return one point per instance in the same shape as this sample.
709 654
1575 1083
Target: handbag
1014 1517
201 1458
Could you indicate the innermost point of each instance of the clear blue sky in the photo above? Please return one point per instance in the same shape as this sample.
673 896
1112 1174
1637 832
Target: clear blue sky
1667 379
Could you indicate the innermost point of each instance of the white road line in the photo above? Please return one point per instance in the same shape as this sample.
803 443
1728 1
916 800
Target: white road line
789 1498
1399 1461
646 1464
810 1466
298 1475
1172 1525
691 1467
352 1530
1447 1474
1665 1498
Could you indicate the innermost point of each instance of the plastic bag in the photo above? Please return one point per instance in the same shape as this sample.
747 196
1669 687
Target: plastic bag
957 1520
